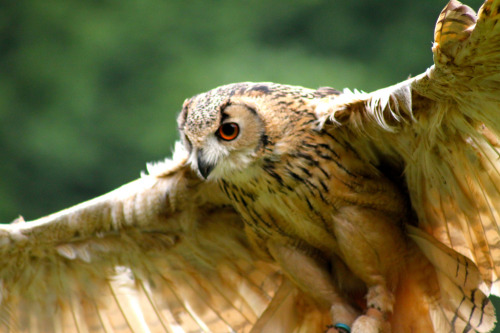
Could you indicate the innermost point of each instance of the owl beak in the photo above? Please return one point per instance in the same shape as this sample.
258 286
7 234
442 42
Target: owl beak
204 167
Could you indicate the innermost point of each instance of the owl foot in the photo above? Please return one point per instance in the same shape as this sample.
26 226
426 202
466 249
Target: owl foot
380 303
374 321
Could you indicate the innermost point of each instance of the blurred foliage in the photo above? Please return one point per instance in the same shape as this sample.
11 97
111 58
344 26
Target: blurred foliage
90 90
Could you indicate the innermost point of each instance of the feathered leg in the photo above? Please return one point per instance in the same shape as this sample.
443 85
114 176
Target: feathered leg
313 278
371 244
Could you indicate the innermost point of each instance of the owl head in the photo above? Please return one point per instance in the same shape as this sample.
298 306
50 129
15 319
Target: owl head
229 128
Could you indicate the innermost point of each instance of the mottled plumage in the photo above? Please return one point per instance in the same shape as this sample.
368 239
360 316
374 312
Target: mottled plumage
305 194
287 209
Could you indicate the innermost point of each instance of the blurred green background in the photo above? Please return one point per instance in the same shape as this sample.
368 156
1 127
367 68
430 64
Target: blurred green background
90 90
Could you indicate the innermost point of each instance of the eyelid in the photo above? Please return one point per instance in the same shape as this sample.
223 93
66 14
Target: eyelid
187 142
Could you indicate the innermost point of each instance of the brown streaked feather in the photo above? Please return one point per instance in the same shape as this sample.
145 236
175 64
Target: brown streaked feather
454 25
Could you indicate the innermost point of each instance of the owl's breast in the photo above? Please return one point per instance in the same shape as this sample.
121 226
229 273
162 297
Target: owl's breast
296 196
274 210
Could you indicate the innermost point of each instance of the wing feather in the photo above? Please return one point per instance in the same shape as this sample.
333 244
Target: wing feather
441 130
442 127
147 257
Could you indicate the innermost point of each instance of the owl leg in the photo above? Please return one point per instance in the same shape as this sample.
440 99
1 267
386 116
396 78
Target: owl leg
373 247
313 277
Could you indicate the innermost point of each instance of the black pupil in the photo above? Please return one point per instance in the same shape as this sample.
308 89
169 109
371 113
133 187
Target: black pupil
229 129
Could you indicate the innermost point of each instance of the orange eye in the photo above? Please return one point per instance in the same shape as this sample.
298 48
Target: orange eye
228 131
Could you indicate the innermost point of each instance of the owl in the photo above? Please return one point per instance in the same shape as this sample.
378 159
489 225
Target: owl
287 209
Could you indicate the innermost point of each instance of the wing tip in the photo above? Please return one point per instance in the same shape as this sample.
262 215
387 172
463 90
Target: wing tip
454 25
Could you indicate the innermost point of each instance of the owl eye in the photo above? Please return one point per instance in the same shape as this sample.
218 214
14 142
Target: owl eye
228 131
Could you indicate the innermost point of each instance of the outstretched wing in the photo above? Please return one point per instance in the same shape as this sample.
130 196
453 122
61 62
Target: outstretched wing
164 253
441 131
460 198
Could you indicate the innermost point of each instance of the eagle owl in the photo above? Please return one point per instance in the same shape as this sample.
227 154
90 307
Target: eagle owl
305 194
287 209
